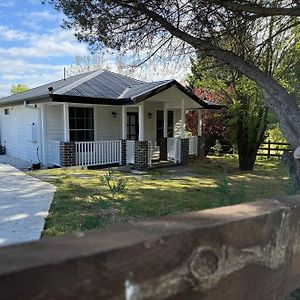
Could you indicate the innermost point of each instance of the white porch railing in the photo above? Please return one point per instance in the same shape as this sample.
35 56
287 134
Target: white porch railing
174 152
193 145
98 153
54 153
130 145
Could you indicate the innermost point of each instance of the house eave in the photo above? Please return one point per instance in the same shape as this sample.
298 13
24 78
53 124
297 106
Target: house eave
91 100
203 104
33 100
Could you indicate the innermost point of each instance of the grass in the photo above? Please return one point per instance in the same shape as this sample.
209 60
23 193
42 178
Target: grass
83 202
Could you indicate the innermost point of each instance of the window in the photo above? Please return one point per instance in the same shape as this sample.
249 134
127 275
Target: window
170 124
132 126
160 124
81 122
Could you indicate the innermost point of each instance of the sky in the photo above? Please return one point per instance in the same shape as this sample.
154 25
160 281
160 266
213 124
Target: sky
34 48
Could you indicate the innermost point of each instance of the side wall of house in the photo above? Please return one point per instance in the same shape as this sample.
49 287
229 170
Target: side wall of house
20 132
54 123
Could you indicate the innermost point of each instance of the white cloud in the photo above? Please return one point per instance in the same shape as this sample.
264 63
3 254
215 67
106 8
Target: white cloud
42 15
9 34
29 62
7 3
33 19
20 71
57 43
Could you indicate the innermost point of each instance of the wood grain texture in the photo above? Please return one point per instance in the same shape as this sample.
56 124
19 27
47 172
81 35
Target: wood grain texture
248 251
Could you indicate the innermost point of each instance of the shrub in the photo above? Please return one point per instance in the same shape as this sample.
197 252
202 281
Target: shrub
227 194
116 185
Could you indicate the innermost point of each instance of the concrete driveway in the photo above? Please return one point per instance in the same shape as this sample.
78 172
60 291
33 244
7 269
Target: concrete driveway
24 205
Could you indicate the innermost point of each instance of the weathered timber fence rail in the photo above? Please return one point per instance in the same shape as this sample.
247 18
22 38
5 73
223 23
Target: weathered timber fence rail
248 251
273 149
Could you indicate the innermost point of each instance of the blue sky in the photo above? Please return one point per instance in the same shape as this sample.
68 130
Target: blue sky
34 49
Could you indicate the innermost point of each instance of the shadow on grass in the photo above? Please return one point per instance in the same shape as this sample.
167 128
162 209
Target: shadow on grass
77 208
82 202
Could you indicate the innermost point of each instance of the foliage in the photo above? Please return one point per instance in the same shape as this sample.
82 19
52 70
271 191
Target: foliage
227 194
292 186
170 29
294 296
18 88
245 122
274 134
214 123
116 185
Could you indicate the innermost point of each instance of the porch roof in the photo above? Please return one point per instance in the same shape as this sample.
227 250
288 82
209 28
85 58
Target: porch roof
100 87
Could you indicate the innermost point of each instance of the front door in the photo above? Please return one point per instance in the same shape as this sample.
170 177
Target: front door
160 124
132 126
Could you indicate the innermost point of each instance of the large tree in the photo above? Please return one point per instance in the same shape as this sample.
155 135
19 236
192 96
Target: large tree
18 88
176 27
246 117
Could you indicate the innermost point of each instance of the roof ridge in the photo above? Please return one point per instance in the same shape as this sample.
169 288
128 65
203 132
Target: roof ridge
78 82
126 76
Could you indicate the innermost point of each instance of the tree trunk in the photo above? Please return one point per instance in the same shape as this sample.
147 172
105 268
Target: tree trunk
246 150
247 157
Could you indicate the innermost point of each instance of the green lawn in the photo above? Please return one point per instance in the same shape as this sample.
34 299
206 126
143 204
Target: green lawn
83 202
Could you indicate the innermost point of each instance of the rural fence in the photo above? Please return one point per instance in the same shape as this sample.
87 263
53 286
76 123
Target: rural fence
247 251
273 149
268 149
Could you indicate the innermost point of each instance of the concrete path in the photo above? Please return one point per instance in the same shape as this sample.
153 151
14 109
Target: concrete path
24 205
15 162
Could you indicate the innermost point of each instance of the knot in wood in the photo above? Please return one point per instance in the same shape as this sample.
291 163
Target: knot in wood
204 262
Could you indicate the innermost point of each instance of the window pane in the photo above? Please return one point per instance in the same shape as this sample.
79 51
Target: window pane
89 124
81 123
170 118
89 136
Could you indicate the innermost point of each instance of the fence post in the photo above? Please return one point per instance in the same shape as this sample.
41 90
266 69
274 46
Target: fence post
269 149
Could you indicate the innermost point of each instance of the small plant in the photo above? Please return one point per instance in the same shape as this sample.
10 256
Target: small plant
227 194
116 185
292 186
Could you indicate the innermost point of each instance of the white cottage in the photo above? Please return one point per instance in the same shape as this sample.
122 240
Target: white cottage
101 118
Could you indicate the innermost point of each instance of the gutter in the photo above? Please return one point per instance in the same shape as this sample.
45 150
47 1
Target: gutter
33 100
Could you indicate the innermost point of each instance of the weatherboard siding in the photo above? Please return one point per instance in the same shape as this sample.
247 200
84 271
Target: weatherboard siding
54 123
108 127
150 123
16 132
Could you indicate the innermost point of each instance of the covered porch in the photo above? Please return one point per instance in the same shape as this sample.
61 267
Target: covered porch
81 134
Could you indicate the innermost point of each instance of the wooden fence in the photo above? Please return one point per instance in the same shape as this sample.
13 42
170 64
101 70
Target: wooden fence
273 149
248 251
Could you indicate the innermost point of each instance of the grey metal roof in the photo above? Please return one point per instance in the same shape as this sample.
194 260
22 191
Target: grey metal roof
99 87
42 90
136 90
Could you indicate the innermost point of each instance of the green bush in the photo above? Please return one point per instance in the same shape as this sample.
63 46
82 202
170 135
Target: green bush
116 185
227 194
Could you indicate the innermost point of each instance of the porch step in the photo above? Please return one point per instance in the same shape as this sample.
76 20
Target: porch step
161 164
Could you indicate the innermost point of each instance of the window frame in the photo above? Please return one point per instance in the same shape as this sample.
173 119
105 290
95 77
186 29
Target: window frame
85 119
